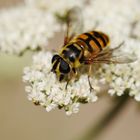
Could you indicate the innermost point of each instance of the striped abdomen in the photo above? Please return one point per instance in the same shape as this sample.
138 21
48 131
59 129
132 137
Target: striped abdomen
93 41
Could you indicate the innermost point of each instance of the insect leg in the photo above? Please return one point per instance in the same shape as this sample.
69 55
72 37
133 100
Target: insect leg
73 74
89 75
67 84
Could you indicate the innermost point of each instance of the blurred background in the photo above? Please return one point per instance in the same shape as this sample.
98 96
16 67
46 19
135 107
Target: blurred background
20 119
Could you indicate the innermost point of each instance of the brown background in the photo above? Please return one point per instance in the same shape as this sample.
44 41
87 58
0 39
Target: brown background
21 120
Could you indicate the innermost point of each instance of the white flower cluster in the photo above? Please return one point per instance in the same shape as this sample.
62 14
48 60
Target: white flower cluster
126 76
116 19
113 17
30 25
46 90
24 28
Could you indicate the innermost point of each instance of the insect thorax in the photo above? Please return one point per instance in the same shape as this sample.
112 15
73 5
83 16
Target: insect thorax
72 53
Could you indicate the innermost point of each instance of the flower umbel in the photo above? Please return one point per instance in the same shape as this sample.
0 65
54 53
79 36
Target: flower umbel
121 24
28 29
46 90
30 25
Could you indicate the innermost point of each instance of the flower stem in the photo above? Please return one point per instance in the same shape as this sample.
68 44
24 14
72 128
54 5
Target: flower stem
96 130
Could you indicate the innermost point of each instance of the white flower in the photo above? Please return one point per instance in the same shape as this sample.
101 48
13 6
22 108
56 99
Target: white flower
116 19
25 28
113 18
137 97
74 108
30 25
46 90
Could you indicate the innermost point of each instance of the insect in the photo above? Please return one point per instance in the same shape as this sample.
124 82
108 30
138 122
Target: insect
84 49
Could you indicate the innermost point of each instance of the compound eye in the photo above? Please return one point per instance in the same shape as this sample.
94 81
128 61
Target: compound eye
55 57
64 67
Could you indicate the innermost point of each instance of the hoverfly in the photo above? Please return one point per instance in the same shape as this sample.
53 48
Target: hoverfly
83 49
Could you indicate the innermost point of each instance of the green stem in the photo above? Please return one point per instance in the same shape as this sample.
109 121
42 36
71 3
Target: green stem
94 131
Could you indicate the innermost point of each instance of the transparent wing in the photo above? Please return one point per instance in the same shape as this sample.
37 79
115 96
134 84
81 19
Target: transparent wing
111 56
74 24
75 21
121 59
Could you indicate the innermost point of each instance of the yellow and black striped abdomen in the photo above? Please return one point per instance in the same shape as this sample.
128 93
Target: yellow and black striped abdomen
94 41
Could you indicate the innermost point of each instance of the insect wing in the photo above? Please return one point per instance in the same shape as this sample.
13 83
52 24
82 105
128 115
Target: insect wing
75 21
121 59
113 55
74 24
118 56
